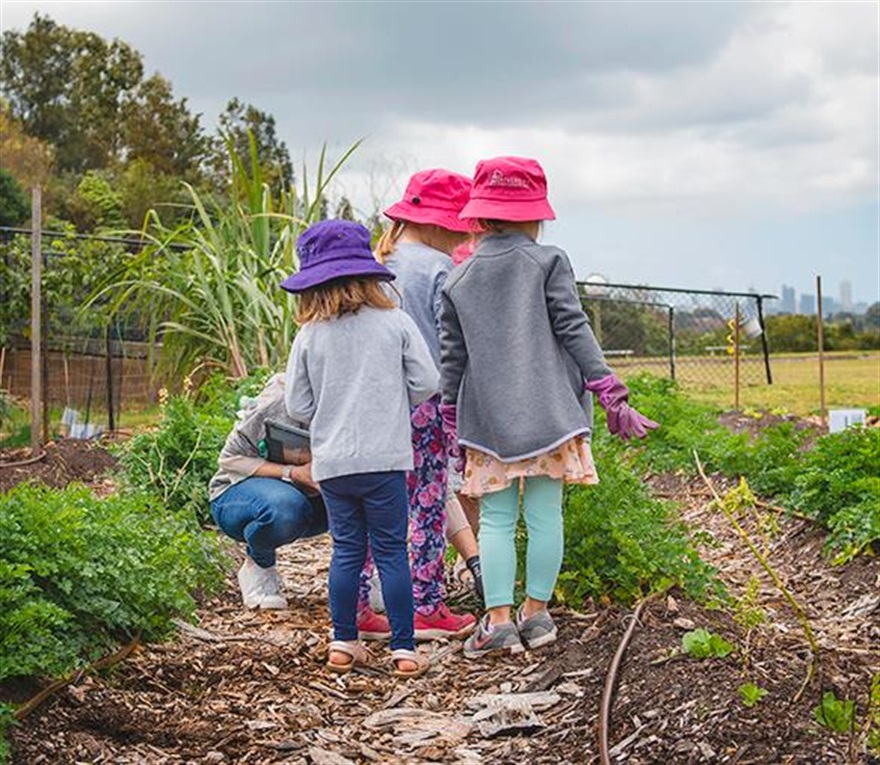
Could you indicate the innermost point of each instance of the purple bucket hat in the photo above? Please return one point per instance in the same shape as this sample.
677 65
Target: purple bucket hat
333 249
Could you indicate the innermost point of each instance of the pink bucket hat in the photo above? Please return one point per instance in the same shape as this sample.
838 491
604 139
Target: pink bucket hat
509 188
434 196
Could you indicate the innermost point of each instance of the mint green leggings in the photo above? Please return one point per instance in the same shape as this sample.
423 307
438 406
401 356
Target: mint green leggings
499 512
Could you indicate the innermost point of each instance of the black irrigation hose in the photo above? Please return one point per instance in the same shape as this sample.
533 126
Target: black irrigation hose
611 682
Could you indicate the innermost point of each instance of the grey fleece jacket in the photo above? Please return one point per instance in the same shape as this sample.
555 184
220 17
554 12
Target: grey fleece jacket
515 349
354 379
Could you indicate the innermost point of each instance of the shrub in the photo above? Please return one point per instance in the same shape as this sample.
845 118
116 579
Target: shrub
622 544
177 459
78 574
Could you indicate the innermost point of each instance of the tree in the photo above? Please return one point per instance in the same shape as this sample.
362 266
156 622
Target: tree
159 130
872 316
68 88
14 206
28 159
237 122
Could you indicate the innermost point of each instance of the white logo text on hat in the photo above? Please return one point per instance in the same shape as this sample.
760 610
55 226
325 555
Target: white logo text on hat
500 179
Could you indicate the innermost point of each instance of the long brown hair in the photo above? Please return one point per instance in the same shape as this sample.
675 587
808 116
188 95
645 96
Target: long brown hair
387 242
341 296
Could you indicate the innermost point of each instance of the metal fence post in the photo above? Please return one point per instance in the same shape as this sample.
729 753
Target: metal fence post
764 344
672 341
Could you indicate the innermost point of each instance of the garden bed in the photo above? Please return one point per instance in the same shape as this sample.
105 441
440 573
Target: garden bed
66 461
251 688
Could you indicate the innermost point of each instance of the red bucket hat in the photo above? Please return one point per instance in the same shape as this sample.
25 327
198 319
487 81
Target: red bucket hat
509 188
434 196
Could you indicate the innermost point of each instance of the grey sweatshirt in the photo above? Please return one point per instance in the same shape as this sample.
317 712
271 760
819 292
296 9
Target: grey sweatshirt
240 457
421 272
354 379
516 347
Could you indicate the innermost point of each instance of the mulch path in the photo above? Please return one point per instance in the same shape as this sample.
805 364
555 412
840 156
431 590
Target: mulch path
249 687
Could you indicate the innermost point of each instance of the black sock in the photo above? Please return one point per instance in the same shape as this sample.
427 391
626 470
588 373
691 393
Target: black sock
473 564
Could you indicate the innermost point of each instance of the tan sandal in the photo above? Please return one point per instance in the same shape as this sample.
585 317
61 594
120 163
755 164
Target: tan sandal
404 654
357 654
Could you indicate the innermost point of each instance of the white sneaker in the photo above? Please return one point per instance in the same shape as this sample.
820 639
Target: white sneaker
260 587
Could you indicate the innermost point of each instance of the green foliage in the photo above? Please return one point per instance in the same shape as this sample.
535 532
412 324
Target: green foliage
702 644
7 720
15 208
751 694
78 574
836 481
623 544
835 714
873 727
176 460
94 204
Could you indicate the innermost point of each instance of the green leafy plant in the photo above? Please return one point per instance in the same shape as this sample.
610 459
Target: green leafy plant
702 644
7 720
176 460
751 694
78 574
623 544
872 732
835 714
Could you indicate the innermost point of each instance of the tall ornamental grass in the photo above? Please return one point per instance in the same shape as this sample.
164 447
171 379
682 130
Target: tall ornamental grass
208 288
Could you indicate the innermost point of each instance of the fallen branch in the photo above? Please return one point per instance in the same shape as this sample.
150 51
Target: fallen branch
771 572
108 661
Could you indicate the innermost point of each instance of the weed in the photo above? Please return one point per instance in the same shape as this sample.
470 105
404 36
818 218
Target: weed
751 694
702 644
835 714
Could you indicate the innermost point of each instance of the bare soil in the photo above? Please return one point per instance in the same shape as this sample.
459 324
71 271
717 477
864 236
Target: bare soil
66 461
250 687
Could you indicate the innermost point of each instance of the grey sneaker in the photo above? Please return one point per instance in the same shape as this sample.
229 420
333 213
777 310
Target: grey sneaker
539 629
502 638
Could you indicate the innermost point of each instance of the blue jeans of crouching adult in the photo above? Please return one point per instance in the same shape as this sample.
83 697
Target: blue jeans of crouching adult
267 513
362 507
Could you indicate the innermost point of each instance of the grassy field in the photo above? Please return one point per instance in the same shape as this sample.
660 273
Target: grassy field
852 379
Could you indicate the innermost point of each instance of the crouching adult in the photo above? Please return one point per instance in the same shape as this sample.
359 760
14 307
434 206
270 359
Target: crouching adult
264 504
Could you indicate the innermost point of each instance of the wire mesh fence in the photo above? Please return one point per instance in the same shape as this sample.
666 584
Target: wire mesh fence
690 336
90 370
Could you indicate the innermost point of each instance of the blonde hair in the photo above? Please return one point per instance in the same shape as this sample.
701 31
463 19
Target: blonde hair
500 226
341 296
388 241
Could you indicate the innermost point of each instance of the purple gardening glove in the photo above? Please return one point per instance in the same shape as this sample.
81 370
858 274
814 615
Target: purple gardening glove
623 420
449 415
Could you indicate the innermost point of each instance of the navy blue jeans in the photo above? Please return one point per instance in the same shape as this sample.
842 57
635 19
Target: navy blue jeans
267 513
369 506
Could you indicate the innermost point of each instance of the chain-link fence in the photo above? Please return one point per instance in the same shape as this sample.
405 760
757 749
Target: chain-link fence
688 335
90 370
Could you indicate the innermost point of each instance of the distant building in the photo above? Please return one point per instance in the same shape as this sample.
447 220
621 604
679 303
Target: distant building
829 305
787 304
846 303
807 305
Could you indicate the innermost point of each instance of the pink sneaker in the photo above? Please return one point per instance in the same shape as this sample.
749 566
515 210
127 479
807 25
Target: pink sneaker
443 624
372 626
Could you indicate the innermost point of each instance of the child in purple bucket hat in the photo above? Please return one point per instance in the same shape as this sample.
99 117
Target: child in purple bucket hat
519 362
357 365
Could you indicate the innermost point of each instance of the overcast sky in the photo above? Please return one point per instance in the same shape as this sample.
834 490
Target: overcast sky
691 144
